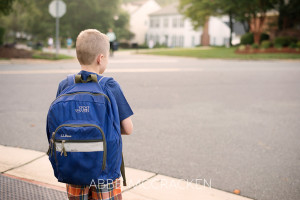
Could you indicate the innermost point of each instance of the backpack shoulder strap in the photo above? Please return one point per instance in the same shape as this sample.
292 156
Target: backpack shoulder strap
103 80
71 79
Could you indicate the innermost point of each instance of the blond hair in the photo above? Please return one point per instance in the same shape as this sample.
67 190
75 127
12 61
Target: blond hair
89 44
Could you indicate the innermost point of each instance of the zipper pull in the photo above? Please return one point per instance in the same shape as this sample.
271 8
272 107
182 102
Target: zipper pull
63 150
52 143
51 150
48 152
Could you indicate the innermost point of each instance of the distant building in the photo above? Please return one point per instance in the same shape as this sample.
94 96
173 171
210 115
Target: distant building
139 18
167 26
219 31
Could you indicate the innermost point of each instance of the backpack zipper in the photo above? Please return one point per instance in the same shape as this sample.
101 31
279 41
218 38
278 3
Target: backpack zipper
63 141
63 150
69 94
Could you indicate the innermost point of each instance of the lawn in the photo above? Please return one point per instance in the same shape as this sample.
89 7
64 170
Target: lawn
49 56
217 52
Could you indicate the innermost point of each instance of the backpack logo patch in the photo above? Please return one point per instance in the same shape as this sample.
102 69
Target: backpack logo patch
82 109
65 135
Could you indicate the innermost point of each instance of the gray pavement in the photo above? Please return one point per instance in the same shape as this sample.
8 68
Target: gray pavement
21 190
234 122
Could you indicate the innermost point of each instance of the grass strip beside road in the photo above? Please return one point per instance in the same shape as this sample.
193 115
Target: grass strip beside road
49 56
217 52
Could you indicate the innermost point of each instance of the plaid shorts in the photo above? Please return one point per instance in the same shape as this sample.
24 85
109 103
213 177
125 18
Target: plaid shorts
109 191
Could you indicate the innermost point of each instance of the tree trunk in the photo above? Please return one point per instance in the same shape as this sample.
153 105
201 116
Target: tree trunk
205 34
256 26
256 36
231 28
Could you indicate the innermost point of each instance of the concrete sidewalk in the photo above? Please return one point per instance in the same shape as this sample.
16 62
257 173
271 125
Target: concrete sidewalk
34 167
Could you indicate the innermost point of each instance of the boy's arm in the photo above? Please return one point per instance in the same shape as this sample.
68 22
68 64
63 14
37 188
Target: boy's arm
126 126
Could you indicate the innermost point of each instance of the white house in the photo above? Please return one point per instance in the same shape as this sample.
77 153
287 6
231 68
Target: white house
167 26
139 18
219 31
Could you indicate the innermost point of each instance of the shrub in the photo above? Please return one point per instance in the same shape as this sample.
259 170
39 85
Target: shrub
157 45
2 31
264 37
293 45
242 47
278 46
143 46
298 44
266 44
255 46
124 45
284 41
247 39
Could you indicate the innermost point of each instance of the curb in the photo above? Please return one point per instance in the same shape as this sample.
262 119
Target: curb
34 167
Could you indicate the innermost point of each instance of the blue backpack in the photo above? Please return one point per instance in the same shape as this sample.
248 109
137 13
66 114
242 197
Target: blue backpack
83 129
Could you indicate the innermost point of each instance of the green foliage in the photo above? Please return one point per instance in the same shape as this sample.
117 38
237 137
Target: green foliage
247 39
289 13
266 44
2 31
220 53
143 46
264 36
49 56
255 46
293 45
160 2
298 44
120 27
242 47
199 11
284 41
157 45
32 17
6 6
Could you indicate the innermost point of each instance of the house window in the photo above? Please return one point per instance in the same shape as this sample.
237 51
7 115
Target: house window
181 41
157 22
166 40
166 22
181 22
150 37
174 22
173 41
157 39
151 23
193 41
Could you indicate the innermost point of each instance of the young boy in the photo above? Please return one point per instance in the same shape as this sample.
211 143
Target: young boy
92 48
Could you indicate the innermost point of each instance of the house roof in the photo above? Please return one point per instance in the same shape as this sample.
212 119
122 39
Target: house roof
168 10
139 2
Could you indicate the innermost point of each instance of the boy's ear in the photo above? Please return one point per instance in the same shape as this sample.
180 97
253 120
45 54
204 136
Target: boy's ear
99 58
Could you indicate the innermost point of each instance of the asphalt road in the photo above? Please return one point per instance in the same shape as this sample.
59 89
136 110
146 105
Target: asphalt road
235 123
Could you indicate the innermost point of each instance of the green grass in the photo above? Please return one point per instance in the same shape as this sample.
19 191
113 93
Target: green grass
217 52
49 56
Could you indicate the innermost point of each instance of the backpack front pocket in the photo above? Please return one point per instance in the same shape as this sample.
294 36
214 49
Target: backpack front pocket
79 152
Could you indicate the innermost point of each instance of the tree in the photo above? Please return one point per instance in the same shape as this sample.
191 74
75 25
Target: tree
5 6
200 10
34 18
289 13
253 12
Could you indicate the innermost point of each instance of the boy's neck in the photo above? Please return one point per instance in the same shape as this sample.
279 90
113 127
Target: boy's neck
89 68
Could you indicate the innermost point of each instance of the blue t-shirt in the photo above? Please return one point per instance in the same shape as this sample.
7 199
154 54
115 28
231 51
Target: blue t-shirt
123 106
